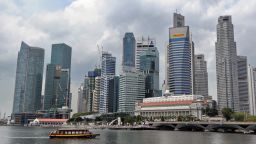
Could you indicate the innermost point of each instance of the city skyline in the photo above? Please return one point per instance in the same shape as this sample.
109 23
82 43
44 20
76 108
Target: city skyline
203 30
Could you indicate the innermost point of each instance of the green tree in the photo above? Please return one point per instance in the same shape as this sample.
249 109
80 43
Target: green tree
227 113
239 116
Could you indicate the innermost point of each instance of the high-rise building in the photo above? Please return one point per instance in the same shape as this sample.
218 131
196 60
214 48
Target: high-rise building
226 65
149 65
113 94
131 90
28 82
252 89
96 95
129 43
108 70
242 83
80 101
180 54
91 87
142 46
57 83
200 75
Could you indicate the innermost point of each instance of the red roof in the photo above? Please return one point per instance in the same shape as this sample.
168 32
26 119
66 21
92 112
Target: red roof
51 120
184 102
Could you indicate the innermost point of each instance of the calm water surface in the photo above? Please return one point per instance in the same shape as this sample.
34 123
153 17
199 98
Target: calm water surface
37 135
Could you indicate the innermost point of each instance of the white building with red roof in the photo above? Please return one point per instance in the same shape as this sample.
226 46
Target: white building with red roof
48 122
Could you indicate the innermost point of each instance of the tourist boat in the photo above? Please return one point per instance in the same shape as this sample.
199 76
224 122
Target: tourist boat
72 133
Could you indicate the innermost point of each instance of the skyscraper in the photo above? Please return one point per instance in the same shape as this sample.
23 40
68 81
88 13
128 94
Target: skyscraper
91 87
226 65
252 89
149 65
131 90
180 53
113 94
201 75
28 82
96 95
80 100
142 46
243 83
57 84
129 43
108 70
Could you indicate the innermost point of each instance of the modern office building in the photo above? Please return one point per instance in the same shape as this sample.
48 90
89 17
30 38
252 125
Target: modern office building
142 46
131 90
96 95
201 76
91 87
243 83
28 82
57 83
149 66
113 94
129 44
226 65
180 54
108 70
252 89
81 101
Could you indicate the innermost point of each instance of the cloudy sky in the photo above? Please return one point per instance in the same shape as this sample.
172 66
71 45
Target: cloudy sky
83 24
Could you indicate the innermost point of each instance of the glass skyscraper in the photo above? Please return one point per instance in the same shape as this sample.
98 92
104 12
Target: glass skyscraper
149 65
28 83
57 84
129 43
108 70
180 53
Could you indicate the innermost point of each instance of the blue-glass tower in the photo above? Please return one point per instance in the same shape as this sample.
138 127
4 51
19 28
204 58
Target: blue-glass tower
57 83
180 58
28 83
129 44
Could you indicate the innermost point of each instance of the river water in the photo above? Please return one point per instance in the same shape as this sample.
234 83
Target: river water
38 135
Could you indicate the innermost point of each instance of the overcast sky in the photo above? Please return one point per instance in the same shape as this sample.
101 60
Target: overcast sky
83 24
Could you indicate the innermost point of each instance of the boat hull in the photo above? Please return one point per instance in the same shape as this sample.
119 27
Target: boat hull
91 136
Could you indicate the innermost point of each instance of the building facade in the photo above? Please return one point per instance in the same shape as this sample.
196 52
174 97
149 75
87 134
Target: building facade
149 66
243 84
252 89
81 101
129 44
201 76
57 83
131 90
171 106
226 65
108 69
113 94
180 54
28 82
96 95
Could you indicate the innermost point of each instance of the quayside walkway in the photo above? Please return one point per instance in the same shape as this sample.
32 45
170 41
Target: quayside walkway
244 127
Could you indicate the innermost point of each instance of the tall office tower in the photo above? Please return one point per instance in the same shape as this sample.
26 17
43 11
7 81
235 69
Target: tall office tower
80 100
131 90
226 65
142 46
86 91
180 55
57 83
129 43
28 82
252 89
108 69
201 75
149 65
243 83
113 94
91 87
96 95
